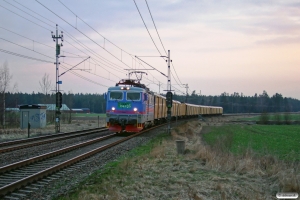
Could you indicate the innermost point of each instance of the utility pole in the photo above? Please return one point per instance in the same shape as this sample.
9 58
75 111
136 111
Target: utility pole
159 84
187 88
58 93
169 96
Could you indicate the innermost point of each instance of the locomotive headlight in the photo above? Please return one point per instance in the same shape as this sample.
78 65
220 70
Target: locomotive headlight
113 108
135 109
127 88
122 88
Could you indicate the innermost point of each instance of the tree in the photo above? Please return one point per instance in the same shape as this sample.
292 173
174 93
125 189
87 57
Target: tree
45 85
5 79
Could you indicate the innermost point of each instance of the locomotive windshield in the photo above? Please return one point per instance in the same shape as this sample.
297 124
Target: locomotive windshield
116 96
133 96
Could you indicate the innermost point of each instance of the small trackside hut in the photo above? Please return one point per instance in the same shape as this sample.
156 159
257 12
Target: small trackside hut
33 114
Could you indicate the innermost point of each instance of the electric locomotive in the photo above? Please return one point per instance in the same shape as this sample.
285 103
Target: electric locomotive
129 107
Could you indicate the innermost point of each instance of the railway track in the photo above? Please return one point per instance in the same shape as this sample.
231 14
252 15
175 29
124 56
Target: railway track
24 143
23 173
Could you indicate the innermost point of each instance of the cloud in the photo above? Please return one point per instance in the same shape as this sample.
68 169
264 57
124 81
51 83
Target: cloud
280 41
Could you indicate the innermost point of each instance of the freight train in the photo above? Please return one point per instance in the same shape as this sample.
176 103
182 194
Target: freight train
131 107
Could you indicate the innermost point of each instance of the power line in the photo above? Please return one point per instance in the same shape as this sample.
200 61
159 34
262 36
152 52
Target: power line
93 28
25 48
161 40
80 76
70 25
62 28
23 56
81 33
155 26
146 26
44 55
91 51
27 13
176 73
157 34
77 56
65 31
34 12
26 18
86 71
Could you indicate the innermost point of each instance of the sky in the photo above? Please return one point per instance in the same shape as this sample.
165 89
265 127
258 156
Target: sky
215 46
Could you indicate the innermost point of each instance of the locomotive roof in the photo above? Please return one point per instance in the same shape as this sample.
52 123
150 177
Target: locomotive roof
136 89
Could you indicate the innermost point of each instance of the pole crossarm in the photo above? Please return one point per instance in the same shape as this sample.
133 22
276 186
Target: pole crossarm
73 67
151 66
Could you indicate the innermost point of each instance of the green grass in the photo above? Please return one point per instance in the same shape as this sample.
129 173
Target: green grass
274 117
282 141
114 169
89 115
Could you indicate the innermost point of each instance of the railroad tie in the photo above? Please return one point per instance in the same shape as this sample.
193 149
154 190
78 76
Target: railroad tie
43 181
18 194
26 191
48 179
37 185
32 188
56 176
12 198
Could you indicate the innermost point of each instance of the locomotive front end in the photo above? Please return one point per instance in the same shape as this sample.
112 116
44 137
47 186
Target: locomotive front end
124 110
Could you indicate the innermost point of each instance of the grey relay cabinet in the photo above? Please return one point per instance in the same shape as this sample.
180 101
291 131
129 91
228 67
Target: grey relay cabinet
34 114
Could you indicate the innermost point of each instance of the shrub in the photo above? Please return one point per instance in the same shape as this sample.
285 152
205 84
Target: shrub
287 118
264 118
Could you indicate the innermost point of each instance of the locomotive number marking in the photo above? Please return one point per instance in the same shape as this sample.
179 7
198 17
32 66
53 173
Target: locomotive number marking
124 105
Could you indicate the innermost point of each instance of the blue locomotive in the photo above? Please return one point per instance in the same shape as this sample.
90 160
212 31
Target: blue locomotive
129 106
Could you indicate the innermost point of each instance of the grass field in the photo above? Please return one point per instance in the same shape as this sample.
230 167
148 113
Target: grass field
280 117
89 115
282 141
156 171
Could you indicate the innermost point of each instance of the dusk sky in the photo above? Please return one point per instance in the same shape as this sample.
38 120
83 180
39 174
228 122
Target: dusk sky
216 46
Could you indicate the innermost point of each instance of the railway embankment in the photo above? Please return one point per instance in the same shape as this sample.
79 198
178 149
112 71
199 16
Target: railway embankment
208 169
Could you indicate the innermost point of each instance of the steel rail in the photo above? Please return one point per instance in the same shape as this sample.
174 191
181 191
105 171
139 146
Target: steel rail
23 182
42 140
51 154
43 137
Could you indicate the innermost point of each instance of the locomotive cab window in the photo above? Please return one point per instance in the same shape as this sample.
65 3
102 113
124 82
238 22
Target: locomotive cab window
116 96
133 96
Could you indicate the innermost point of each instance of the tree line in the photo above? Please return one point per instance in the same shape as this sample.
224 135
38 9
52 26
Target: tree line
95 102
239 103
231 103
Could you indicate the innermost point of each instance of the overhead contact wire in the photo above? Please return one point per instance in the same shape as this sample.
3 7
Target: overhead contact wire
146 26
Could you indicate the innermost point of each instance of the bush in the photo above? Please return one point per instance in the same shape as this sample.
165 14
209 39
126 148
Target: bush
287 118
264 118
277 118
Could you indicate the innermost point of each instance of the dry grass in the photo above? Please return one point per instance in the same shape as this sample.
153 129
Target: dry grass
17 133
203 172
